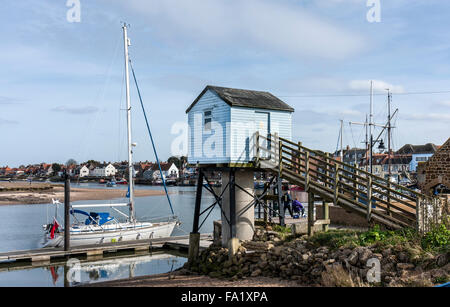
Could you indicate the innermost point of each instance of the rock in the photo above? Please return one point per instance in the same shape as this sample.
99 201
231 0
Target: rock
441 260
262 264
256 273
378 256
346 252
387 252
402 257
353 258
227 264
319 256
364 255
405 266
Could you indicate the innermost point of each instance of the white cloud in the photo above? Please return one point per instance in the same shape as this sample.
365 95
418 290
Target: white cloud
430 117
265 26
74 110
378 86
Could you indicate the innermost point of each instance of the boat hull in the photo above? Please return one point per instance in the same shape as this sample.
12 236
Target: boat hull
140 231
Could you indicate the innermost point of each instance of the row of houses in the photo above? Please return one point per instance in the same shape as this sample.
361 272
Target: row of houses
147 170
42 169
402 163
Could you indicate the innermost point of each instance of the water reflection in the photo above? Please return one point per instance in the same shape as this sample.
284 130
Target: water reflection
84 272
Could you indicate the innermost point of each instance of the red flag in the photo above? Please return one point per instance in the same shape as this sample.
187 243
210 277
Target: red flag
54 228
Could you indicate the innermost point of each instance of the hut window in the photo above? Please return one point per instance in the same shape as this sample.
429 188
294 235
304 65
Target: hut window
207 120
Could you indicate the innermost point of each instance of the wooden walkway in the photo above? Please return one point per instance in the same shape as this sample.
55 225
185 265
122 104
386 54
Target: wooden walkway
49 254
344 185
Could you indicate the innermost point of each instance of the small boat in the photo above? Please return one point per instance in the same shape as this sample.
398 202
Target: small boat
110 184
101 227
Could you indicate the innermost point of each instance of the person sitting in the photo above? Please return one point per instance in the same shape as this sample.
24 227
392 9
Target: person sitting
297 207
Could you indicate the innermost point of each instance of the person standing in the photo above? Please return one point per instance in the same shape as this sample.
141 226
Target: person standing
286 199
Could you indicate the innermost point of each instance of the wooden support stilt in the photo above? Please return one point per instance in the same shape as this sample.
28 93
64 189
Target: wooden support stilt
280 203
310 213
326 214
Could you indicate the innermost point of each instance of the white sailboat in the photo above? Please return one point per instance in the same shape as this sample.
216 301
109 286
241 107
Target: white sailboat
100 227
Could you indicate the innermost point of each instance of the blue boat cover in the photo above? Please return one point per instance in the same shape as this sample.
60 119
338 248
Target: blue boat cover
94 218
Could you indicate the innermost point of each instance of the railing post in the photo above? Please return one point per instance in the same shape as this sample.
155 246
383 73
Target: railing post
307 171
336 185
257 147
327 172
418 215
388 207
299 161
369 198
356 185
280 158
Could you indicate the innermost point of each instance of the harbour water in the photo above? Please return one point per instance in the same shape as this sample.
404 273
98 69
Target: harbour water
21 229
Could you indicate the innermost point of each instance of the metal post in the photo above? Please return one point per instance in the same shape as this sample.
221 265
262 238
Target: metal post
198 201
67 213
194 237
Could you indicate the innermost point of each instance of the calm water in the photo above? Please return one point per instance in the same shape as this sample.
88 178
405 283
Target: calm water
21 225
21 229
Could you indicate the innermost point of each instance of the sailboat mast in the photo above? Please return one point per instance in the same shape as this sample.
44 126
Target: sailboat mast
130 150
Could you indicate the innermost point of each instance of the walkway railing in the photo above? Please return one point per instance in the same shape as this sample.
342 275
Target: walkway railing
392 204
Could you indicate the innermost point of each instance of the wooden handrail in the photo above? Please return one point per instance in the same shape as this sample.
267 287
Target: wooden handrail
345 184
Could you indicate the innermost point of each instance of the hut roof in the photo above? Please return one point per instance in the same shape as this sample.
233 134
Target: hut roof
246 98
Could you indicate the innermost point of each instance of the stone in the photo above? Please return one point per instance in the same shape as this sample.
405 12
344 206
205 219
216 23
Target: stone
441 260
387 252
256 273
353 258
402 257
364 255
405 266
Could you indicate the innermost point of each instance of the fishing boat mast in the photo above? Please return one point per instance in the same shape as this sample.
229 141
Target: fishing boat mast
130 149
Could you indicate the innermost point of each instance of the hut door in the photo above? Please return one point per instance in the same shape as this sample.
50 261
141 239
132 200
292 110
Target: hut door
262 121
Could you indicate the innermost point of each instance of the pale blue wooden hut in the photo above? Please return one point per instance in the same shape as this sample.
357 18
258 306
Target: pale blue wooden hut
222 122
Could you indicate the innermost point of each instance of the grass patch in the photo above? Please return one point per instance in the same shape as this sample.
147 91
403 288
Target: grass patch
437 240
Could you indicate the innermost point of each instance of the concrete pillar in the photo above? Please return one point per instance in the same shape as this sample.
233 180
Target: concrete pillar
194 246
244 213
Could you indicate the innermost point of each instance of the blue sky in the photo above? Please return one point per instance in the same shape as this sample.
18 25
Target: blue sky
61 83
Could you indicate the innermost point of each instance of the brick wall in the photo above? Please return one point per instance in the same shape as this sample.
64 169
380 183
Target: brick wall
436 170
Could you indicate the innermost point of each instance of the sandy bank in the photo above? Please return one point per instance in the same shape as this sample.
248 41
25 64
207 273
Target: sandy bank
38 194
177 279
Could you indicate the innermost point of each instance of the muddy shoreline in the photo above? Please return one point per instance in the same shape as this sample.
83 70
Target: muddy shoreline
39 193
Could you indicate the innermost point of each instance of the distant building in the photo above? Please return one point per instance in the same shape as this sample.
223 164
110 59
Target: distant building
168 170
351 156
436 171
84 171
419 153
105 171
